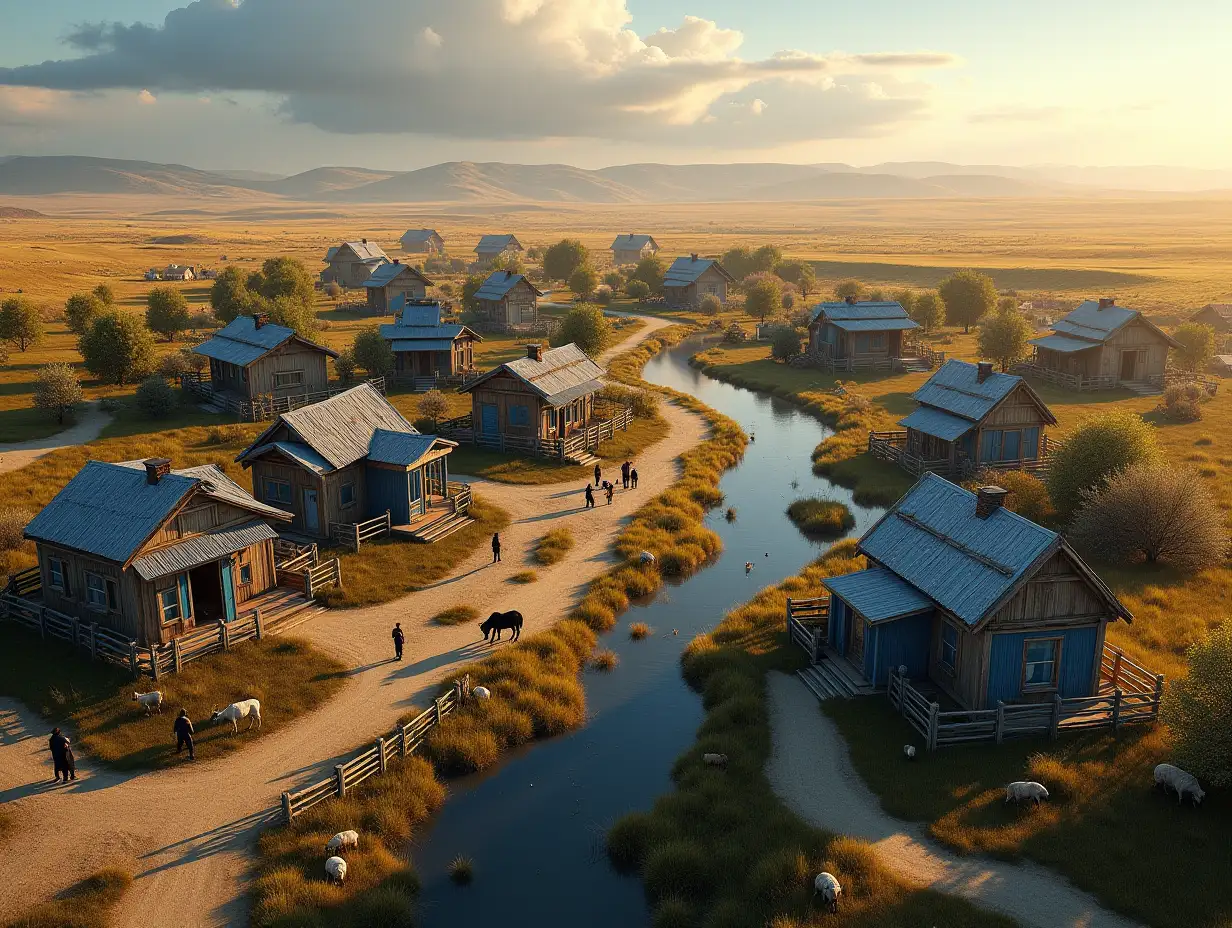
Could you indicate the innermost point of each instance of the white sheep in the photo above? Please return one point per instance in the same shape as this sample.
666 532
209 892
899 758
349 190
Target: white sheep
715 760
481 692
829 888
1025 789
335 870
909 751
1179 781
647 557
244 709
150 700
343 840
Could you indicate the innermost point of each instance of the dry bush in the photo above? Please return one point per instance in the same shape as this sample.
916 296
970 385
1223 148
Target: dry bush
1028 495
825 517
1098 448
1182 402
552 547
225 434
456 615
639 630
604 660
13 521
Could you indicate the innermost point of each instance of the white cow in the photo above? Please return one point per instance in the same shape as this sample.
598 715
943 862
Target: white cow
1180 782
343 840
1025 789
335 870
244 709
150 700
829 888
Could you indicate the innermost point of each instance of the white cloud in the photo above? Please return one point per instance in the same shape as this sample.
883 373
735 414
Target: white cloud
696 38
145 98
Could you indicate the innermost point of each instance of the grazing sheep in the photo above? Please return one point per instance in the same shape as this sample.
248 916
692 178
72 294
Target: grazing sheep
335 870
715 760
647 557
150 700
909 751
481 692
1179 781
830 890
1025 789
343 840
244 709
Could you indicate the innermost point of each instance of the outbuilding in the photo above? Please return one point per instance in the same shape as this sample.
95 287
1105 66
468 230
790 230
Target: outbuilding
689 279
631 248
859 332
252 358
508 301
491 247
391 281
423 242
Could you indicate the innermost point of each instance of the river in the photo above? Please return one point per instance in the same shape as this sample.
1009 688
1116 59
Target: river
534 826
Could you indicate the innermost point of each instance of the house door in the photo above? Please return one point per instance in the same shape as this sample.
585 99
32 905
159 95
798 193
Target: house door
489 419
228 591
206 583
312 519
855 650
1129 365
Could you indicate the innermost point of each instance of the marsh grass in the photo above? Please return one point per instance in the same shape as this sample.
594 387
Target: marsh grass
288 675
456 615
552 547
639 630
86 905
524 576
604 660
825 518
461 870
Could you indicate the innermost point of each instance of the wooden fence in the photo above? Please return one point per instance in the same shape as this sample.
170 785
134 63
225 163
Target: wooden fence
102 643
462 429
262 407
1063 379
354 534
892 446
401 742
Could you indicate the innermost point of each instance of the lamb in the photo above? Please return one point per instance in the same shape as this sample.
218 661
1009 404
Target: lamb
150 700
909 751
1183 783
481 692
830 890
335 870
1025 789
244 709
715 760
343 840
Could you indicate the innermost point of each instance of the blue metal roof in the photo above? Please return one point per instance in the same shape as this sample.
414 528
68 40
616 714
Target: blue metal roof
935 422
956 389
874 325
300 452
878 594
933 539
387 273
495 244
449 332
685 271
418 312
1064 343
400 345
1089 321
241 342
498 285
866 309
403 449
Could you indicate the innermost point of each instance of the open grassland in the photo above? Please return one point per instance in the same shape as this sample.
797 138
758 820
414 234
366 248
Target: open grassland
288 675
87 905
722 849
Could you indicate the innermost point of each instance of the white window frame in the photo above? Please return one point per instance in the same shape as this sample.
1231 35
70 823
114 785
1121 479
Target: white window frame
280 379
164 607
106 589
1055 681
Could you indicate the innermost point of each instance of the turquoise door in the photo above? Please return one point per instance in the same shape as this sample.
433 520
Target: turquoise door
312 520
489 419
228 592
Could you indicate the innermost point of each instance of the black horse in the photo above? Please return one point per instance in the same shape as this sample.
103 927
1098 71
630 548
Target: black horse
498 621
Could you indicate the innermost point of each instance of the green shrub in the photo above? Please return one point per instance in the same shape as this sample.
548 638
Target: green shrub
824 517
585 326
1028 495
784 343
637 289
1197 708
1093 452
710 305
156 398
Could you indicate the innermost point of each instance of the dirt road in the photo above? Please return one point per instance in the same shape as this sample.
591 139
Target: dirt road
89 425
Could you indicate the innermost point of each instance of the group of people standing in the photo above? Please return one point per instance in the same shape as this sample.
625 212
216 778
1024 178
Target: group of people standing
65 763
628 480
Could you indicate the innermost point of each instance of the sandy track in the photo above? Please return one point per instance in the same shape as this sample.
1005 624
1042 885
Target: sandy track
90 424
812 773
187 830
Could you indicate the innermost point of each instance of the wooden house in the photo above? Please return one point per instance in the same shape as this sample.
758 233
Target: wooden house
423 242
859 330
390 281
631 248
251 357
1100 346
351 458
689 279
352 263
152 552
424 347
507 300
178 272
969 417
983 604
491 247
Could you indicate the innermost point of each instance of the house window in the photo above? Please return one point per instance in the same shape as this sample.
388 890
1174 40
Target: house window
1040 661
1030 443
949 647
55 574
288 378
277 491
100 592
245 573
169 604
346 494
877 341
519 416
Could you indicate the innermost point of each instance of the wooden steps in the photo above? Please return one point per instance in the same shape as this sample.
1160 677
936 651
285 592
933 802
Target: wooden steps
831 679
584 459
1142 388
434 530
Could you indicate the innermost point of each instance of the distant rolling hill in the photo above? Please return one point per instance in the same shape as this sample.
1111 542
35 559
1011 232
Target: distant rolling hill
322 181
16 212
43 175
469 181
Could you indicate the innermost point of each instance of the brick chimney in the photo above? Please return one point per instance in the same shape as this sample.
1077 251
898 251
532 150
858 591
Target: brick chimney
364 241
1106 301
397 260
988 500
534 352
156 469
693 256
850 300
259 319
508 274
983 371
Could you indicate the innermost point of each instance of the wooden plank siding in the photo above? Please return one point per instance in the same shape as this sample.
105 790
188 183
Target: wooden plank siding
381 298
543 420
710 281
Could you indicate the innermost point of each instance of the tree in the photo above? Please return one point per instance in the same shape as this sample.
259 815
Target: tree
1093 452
432 405
800 273
765 258
166 312
105 293
906 299
876 295
928 309
968 296
294 314
372 352
229 295
333 290
20 322
1197 346
637 289
583 280
469 288
1197 706
1028 495
710 305
848 288
738 262
1007 304
344 365
1156 512
285 278
785 343
156 398
118 348
80 310
650 271
179 363
585 326
57 389
1003 337
563 258
763 296
510 261
613 280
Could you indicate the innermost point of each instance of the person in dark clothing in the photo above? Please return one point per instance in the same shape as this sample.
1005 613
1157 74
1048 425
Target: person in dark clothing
633 477
70 763
609 489
399 640
590 497
624 474
495 547
184 734
59 751
598 475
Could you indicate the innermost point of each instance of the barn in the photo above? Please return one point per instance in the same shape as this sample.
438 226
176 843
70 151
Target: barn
491 247
251 357
352 263
391 281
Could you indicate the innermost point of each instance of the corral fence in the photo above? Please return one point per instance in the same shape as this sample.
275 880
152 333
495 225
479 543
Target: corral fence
262 407
403 741
808 623
353 534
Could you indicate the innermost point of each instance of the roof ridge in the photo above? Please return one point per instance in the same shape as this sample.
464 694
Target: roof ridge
955 543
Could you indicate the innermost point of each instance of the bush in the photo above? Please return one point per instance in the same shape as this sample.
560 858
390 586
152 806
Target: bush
344 365
156 398
605 660
733 333
825 517
585 326
179 363
849 288
13 521
372 352
118 348
461 870
21 322
710 305
1098 448
57 389
763 295
613 280
166 312
583 280
603 296
1182 402
637 289
81 310
563 258
645 404
784 343
552 547
639 630
433 405
225 434
1152 511
650 271
1197 346
789 300
1028 495
457 615
333 290
1197 708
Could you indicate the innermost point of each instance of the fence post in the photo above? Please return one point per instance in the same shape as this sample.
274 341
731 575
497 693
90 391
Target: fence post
1159 693
389 519
176 660
1116 669
339 780
817 646
439 714
1054 724
225 632
256 616
73 631
380 753
286 808
933 722
356 536
789 613
132 660
308 583
154 663
1000 720
42 614
402 740
1116 708
338 572
94 640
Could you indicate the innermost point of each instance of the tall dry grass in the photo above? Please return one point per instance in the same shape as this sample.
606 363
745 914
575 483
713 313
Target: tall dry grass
553 547
87 905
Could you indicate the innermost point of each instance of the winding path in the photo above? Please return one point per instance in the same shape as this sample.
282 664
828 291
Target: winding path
810 770
90 424
186 831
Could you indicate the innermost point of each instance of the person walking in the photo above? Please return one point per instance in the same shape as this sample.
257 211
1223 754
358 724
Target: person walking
399 640
495 547
70 762
609 489
184 734
633 477
624 474
590 497
59 749
598 474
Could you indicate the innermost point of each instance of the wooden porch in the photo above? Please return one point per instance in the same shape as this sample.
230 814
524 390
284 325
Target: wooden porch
574 448
892 446
260 408
442 516
829 674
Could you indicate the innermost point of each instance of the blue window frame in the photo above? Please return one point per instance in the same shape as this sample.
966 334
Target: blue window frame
277 491
519 416
1040 662
949 647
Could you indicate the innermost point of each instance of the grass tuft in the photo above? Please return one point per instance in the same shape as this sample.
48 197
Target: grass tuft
639 630
524 576
461 870
87 905
604 660
826 518
552 547
456 615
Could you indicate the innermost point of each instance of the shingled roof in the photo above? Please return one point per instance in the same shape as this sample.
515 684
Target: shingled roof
495 244
564 374
499 283
685 271
241 342
865 316
367 252
416 236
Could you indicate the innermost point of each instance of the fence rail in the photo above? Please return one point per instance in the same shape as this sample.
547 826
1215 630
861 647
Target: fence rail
354 534
262 407
571 447
1063 379
892 446
321 575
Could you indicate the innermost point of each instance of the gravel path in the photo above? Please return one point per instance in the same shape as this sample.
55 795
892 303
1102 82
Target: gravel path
812 773
90 423
187 831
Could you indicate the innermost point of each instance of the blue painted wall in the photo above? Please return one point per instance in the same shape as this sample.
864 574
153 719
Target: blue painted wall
1077 663
387 489
839 616
905 641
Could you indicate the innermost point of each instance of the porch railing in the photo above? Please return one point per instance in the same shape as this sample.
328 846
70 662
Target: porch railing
1064 379
354 534
462 429
262 407
892 446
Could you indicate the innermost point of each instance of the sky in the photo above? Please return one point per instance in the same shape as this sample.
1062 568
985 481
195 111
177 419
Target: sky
286 85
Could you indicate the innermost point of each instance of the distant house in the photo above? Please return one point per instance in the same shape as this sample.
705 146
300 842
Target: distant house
423 242
491 247
978 601
251 357
859 331
631 248
1217 315
352 263
969 417
423 346
1050 307
508 300
691 278
178 272
153 274
1100 346
390 281
152 552
351 458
